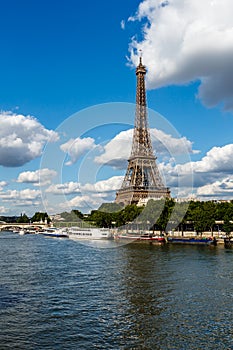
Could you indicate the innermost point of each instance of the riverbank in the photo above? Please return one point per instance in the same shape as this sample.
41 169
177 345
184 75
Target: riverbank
174 234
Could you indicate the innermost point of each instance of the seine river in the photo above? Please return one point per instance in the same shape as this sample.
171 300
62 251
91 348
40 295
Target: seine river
60 294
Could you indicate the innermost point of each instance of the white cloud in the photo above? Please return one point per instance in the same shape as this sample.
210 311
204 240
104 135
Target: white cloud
212 173
216 163
23 198
65 188
3 184
218 159
75 148
86 201
117 151
3 210
220 188
39 177
109 185
88 196
185 41
22 139
14 195
167 145
28 203
122 24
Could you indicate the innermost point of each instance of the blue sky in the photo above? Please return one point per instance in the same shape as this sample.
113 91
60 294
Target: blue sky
67 73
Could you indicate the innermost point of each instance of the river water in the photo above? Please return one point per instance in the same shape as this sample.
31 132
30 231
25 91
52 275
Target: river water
60 294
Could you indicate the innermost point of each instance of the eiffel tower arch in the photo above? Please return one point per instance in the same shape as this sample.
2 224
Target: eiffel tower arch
142 179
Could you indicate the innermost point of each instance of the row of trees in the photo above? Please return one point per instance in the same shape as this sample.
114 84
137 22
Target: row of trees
37 217
164 215
167 215
73 216
207 216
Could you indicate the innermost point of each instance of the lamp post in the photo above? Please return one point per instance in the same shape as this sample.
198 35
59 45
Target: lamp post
218 230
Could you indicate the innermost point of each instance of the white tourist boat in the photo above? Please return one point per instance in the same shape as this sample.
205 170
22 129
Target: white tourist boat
90 233
21 232
55 232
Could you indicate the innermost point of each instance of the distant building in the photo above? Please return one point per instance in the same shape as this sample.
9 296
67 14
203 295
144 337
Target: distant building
186 199
56 217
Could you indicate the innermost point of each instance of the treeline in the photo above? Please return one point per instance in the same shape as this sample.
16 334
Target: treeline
155 215
209 216
24 219
163 215
167 215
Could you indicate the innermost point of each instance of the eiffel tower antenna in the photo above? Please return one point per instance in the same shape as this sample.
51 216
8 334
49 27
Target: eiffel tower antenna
142 179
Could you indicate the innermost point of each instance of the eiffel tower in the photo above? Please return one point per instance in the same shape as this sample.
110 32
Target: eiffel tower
142 179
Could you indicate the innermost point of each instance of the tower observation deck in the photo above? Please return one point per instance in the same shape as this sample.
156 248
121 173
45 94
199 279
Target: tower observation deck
142 179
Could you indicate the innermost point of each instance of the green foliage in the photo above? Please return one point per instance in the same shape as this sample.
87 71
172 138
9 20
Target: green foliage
23 219
162 215
110 207
227 226
177 216
199 216
152 213
116 219
73 216
101 219
204 214
77 213
9 219
224 210
38 216
130 213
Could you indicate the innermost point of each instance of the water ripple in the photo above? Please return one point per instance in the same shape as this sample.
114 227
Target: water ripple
58 294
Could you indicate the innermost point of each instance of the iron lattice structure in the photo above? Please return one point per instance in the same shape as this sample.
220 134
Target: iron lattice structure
142 179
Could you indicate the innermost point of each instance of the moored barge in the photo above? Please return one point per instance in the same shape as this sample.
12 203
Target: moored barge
143 238
193 240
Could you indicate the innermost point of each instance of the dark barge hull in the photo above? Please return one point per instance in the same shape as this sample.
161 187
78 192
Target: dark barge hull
198 241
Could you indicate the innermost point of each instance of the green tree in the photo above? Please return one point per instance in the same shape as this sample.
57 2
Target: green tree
110 207
228 225
163 220
209 209
77 213
177 218
130 213
100 218
202 216
151 213
23 219
38 216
